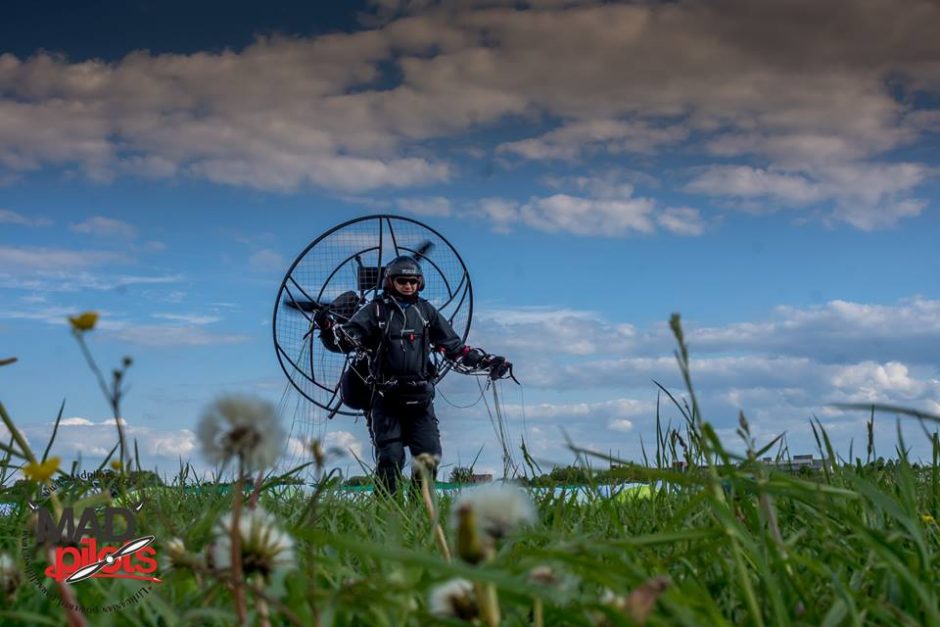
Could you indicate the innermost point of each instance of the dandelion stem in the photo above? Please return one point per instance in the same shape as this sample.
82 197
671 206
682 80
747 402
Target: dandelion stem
69 603
253 499
488 602
262 603
112 394
432 513
237 582
538 613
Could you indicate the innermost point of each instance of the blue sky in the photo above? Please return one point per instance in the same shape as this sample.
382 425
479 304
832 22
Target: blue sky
769 171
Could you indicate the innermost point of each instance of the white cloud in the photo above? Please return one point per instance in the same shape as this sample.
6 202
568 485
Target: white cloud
266 260
181 443
28 278
778 82
344 441
563 331
867 196
748 182
38 258
8 216
873 382
172 335
193 319
615 409
433 206
681 221
102 226
620 425
585 216
158 447
611 136
837 331
609 209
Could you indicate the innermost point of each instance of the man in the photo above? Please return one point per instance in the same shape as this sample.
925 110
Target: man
400 329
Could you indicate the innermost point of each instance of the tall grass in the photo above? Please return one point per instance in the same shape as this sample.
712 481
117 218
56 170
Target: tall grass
738 542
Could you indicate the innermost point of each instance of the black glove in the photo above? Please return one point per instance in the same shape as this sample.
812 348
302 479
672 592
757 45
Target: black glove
323 319
497 365
473 358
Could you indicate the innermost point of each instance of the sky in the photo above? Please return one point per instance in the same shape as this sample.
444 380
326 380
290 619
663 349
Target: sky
767 170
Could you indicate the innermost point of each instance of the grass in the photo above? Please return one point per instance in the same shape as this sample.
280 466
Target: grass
856 544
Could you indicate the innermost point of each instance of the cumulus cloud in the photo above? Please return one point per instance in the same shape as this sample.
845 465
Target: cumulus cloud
344 441
867 196
432 206
611 136
835 332
159 447
619 408
266 260
8 216
796 363
193 319
44 259
28 277
102 226
621 424
749 182
681 220
797 86
611 211
173 335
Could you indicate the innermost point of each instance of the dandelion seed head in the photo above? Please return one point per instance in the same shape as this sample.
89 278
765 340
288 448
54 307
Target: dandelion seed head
425 462
9 575
453 599
499 508
241 427
176 555
265 548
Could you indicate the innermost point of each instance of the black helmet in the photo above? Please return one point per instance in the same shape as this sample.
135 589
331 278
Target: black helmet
403 265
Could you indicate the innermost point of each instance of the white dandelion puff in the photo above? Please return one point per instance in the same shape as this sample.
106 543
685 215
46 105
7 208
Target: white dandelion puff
499 508
425 462
244 428
175 555
9 575
265 548
453 599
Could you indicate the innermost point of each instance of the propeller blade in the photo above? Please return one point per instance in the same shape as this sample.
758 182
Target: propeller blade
423 249
133 546
304 305
85 572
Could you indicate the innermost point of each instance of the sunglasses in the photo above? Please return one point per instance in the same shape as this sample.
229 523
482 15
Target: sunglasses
403 281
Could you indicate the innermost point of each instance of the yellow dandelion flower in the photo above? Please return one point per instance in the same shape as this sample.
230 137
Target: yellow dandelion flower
41 471
927 519
84 321
116 464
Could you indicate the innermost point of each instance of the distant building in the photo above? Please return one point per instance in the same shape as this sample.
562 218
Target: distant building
796 462
481 478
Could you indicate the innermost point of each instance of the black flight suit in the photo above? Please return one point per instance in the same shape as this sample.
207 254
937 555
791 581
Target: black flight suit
402 332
